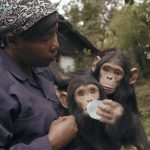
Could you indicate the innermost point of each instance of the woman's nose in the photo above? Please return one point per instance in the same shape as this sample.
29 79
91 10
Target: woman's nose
55 44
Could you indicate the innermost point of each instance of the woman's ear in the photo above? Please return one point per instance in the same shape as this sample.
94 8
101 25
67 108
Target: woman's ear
96 60
134 75
64 99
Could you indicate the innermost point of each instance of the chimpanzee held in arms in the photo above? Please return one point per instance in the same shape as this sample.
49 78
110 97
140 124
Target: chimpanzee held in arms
92 134
116 76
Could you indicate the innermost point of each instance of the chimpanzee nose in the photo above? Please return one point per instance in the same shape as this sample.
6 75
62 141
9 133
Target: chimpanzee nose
89 100
110 78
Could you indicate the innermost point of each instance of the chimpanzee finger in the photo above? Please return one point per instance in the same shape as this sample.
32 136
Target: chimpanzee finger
106 108
105 115
107 121
109 102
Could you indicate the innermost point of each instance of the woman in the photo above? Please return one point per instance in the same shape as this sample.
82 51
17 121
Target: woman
28 103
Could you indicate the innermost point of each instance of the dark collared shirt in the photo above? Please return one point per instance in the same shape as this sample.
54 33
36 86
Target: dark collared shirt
27 107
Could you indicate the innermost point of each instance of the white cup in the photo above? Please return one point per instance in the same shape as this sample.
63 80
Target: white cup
92 108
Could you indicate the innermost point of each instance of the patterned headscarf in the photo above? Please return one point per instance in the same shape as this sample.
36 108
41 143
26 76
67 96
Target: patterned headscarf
17 16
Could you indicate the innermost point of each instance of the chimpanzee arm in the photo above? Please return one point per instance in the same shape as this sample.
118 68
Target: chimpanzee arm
128 130
78 144
140 137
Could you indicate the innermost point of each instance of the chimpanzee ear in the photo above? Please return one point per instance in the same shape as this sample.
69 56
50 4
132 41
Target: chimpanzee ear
64 99
134 75
96 60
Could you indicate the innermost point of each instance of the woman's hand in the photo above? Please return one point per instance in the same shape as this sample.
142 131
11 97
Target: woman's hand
110 111
62 131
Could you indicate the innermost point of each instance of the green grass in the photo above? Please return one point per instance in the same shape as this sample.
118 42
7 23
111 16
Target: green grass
142 89
146 121
143 95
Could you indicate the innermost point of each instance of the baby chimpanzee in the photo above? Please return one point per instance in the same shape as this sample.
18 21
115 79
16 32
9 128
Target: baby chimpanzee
92 134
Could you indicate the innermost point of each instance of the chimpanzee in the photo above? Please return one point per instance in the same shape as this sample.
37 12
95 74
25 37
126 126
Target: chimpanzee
92 134
116 76
61 79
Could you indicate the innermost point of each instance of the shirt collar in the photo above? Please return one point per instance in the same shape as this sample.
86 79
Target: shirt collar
12 67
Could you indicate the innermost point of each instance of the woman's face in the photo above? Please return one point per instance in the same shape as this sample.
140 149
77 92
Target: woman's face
38 52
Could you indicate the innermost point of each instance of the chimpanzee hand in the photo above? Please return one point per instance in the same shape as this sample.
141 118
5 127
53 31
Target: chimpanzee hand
110 111
62 131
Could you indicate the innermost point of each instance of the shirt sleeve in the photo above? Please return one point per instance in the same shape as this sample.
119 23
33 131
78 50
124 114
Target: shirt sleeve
8 111
41 143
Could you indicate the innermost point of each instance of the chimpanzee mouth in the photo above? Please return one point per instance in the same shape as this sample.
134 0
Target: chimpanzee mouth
107 88
85 109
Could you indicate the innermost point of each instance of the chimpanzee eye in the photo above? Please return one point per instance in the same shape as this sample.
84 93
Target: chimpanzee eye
92 90
106 69
117 72
81 93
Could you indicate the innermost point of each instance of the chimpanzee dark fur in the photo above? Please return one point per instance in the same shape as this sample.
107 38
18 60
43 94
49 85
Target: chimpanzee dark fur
92 134
129 130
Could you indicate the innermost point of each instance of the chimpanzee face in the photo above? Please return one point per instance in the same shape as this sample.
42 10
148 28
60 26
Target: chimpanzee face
84 94
111 73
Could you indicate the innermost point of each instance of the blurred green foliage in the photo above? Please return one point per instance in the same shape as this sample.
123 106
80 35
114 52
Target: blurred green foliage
84 59
107 25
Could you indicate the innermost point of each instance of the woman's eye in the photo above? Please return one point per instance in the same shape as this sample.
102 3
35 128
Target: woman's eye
45 39
48 36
